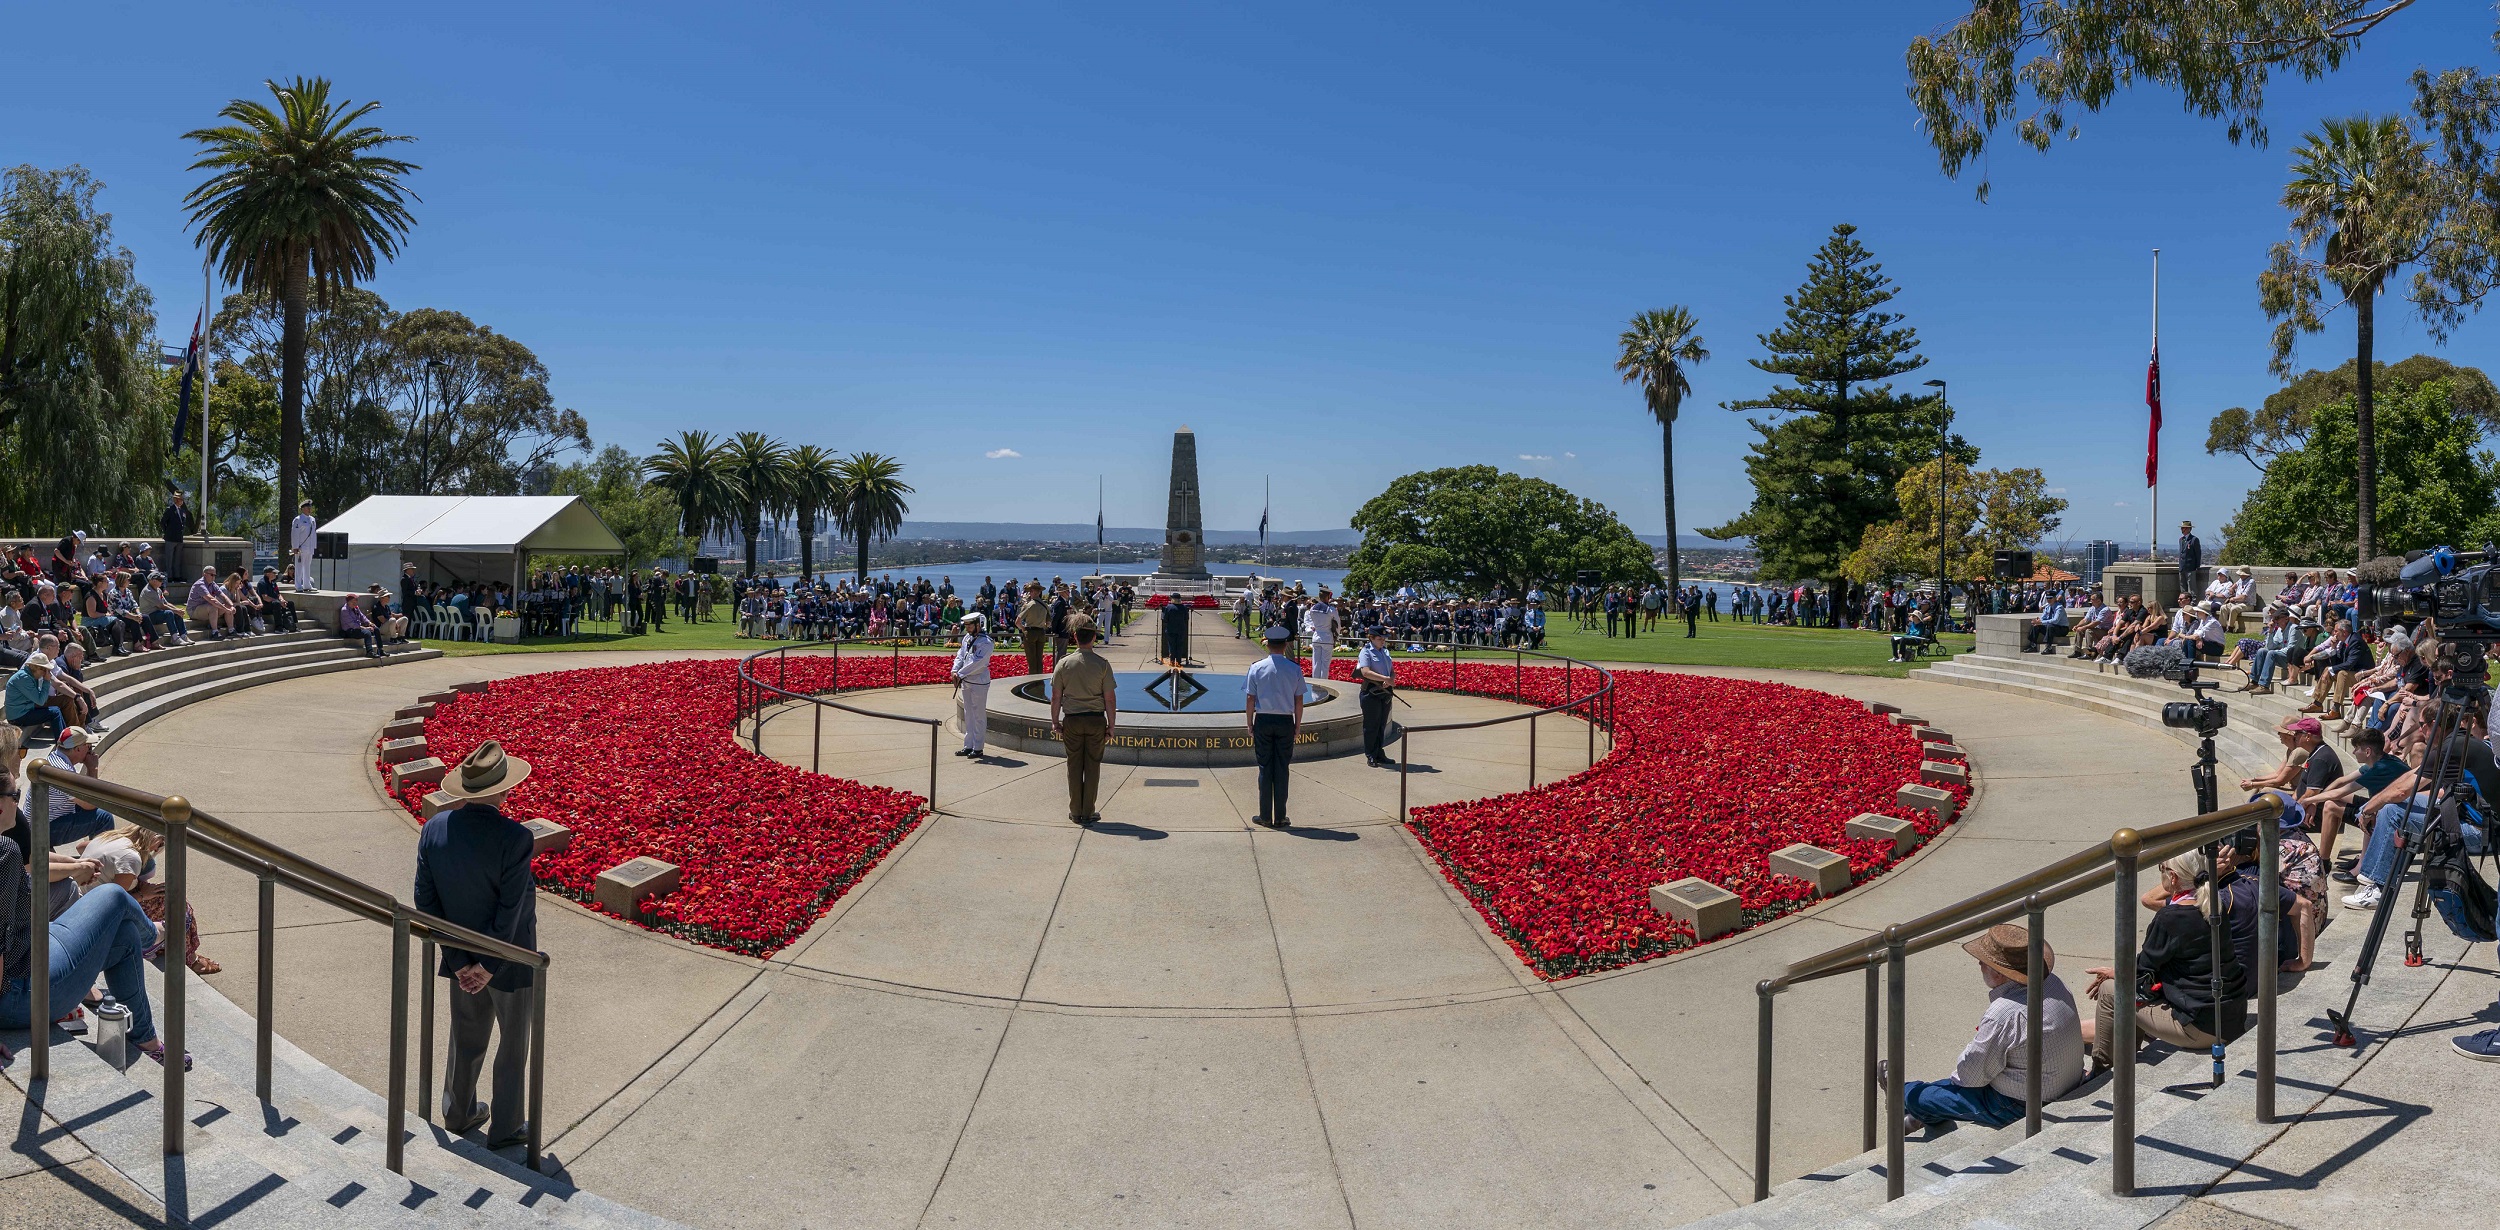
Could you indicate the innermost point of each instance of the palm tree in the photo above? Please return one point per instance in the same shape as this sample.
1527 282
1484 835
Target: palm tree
694 469
2360 193
761 466
1657 348
815 487
298 207
871 503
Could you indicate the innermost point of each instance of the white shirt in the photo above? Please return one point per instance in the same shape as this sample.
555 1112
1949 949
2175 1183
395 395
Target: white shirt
972 662
1996 1052
2209 629
1319 622
303 532
1275 682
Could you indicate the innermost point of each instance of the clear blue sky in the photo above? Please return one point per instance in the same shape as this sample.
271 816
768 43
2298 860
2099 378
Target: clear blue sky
1341 242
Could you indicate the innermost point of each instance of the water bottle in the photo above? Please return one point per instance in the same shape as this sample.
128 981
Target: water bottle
112 1033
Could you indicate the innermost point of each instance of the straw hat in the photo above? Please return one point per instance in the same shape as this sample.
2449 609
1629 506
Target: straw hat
486 773
2006 948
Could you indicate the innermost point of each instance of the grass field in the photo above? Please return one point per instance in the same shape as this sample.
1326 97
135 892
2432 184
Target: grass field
676 637
1727 643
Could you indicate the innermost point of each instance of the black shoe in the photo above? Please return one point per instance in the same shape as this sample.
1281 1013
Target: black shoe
2345 877
1283 823
518 1136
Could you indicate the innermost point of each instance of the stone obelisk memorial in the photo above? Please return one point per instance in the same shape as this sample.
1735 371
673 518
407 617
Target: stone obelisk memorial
1184 535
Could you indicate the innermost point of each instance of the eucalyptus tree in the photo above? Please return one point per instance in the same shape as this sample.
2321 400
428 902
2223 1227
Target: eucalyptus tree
300 205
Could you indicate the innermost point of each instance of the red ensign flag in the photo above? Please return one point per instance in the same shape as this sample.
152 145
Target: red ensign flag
2152 435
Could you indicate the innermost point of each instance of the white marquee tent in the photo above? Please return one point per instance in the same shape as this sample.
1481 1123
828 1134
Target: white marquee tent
460 539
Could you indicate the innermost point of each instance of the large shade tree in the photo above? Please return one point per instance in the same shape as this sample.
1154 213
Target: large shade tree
2440 488
300 205
761 467
872 504
694 469
2363 205
1471 528
815 476
1656 353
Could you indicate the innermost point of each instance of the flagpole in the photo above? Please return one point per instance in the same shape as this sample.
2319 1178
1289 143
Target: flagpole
1267 500
208 327
2153 527
1098 525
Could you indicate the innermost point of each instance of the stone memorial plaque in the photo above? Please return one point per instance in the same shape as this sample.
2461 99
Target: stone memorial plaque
1870 827
1826 870
404 728
1925 798
473 685
1940 772
428 770
623 888
415 711
2126 585
1711 911
396 750
547 835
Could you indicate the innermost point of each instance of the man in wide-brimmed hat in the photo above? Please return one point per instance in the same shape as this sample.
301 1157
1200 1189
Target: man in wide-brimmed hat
473 868
1988 1083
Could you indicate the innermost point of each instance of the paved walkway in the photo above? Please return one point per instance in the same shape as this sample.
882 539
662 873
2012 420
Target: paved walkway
1174 1018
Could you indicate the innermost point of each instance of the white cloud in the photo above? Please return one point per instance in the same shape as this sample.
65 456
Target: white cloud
1534 457
999 453
1571 456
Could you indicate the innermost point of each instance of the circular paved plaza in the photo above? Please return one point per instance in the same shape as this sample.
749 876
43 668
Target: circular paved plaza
1172 1018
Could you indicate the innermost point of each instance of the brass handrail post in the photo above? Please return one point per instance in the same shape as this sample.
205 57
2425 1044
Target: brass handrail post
816 745
1896 1050
425 1037
2269 935
264 1032
395 1115
1403 815
177 815
1531 751
2124 846
933 767
1867 1094
1764 992
2036 973
39 954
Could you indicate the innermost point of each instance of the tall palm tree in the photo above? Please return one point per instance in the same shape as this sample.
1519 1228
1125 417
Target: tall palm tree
815 488
298 207
694 470
872 504
2360 194
761 466
1660 344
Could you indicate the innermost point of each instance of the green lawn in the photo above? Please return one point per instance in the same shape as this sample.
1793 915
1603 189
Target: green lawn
1727 643
676 637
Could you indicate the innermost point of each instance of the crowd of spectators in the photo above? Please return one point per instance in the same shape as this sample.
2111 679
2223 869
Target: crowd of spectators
916 610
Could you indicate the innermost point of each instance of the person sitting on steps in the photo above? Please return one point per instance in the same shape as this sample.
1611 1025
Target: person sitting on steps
1990 1082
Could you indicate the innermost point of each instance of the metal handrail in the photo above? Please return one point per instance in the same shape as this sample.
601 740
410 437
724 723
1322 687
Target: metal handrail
182 825
1885 955
753 691
1603 695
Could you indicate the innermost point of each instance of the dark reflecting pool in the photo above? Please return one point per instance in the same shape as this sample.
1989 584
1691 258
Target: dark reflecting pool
1173 691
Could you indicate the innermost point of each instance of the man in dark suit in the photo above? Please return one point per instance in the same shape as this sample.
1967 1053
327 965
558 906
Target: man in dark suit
473 868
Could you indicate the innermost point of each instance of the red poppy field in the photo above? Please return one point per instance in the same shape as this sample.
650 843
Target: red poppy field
1708 776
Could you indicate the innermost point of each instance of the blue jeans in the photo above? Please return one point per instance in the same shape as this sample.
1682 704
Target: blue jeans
2262 665
1944 1101
80 822
103 933
46 718
2378 859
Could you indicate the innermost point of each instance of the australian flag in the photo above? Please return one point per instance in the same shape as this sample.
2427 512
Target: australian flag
190 377
2152 402
1262 527
1097 527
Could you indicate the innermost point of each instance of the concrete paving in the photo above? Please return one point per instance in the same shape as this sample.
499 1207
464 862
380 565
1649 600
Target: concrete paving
1172 1018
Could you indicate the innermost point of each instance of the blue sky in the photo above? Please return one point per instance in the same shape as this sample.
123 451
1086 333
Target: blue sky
1340 243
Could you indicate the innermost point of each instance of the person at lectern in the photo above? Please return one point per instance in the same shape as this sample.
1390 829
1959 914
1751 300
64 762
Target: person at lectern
1175 648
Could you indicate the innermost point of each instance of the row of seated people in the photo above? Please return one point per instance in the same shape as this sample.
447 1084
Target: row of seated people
1484 622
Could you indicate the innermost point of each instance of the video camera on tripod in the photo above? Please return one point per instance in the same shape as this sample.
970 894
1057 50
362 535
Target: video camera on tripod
2204 715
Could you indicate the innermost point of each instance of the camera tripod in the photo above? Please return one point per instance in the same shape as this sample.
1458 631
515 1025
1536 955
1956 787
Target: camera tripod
2443 773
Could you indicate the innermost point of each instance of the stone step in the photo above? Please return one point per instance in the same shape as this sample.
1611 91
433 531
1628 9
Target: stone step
115 671
225 666
2241 752
319 661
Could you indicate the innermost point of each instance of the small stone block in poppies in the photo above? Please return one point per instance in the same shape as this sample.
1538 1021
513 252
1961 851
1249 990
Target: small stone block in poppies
437 802
1943 772
1925 798
1871 827
428 770
1929 734
436 698
547 835
404 728
1906 720
470 685
415 711
1879 708
1711 911
623 888
1828 871
397 750
1945 751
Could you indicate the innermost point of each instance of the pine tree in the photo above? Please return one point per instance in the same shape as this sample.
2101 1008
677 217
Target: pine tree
1837 438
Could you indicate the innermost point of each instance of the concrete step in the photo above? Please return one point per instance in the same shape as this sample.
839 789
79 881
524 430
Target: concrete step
2242 752
121 672
311 659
